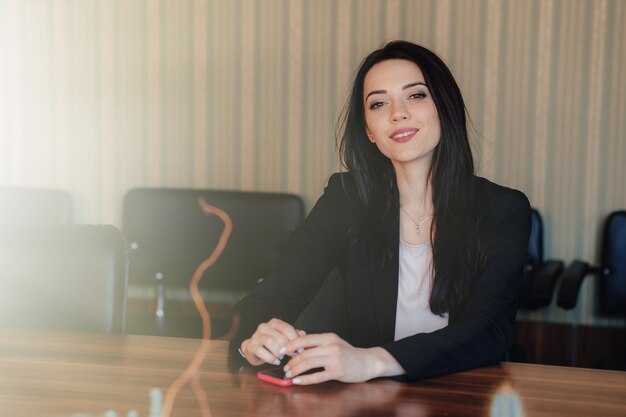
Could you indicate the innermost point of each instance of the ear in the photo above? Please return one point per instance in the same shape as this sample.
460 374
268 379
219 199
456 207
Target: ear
369 135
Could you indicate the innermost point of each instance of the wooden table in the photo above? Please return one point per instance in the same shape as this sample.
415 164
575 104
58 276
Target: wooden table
66 374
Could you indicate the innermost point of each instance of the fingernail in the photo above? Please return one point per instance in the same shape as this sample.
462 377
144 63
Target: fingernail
282 350
286 368
281 357
297 381
300 350
276 362
288 374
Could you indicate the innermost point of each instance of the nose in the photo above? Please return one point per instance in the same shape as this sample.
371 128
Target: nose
399 112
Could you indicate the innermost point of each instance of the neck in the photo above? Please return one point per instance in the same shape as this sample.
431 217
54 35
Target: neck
413 186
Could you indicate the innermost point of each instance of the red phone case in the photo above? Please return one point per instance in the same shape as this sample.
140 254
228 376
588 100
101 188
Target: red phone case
273 376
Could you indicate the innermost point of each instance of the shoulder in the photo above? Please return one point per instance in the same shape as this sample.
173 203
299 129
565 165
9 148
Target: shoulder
340 198
342 186
496 198
505 213
343 180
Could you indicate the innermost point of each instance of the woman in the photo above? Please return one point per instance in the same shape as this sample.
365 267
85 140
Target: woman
430 255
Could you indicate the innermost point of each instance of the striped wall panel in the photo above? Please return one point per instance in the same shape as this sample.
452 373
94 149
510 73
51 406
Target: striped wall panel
97 97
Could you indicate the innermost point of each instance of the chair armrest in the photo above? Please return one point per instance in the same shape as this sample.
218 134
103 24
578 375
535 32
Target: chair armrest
570 284
545 281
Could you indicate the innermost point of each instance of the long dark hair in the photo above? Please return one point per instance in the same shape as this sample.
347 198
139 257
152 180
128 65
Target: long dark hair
455 241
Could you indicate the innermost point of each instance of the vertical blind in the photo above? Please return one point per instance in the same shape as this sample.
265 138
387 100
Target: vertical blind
97 97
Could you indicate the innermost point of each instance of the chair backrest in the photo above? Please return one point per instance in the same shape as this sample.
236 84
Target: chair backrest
24 206
540 275
69 277
613 283
535 243
533 262
170 235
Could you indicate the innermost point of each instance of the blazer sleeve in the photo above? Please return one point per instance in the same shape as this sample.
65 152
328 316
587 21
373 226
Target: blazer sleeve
311 253
482 332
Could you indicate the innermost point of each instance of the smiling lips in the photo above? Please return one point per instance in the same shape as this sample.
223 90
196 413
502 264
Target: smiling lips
403 135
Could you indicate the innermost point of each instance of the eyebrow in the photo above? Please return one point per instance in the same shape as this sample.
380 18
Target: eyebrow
404 88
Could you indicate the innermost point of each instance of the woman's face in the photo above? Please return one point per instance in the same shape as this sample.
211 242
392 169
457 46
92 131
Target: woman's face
400 115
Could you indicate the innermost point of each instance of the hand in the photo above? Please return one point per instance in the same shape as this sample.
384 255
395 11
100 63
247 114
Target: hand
340 360
265 344
336 400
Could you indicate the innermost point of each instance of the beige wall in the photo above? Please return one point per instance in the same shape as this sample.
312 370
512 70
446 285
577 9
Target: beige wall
97 97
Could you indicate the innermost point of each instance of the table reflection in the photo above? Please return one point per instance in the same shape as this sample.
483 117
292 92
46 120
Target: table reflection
506 402
331 399
383 397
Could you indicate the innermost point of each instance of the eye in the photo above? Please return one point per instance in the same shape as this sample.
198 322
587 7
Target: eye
419 95
375 105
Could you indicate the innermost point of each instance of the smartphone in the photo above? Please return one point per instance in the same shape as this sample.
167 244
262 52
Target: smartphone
276 376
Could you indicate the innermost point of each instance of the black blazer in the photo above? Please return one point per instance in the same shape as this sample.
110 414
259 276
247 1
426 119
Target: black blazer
479 334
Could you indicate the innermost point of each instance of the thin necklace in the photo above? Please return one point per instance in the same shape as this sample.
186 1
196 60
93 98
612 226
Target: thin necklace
418 225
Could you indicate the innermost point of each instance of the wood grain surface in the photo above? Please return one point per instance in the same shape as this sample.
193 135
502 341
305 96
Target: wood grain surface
45 373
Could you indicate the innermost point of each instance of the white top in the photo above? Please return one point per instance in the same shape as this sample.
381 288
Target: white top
413 313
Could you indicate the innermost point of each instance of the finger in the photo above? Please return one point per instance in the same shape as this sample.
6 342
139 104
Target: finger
300 350
307 361
285 329
297 371
270 339
314 378
260 351
277 330
309 341
272 336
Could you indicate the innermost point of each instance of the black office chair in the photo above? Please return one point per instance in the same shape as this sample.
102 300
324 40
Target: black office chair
170 236
538 282
69 277
611 272
540 276
24 206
